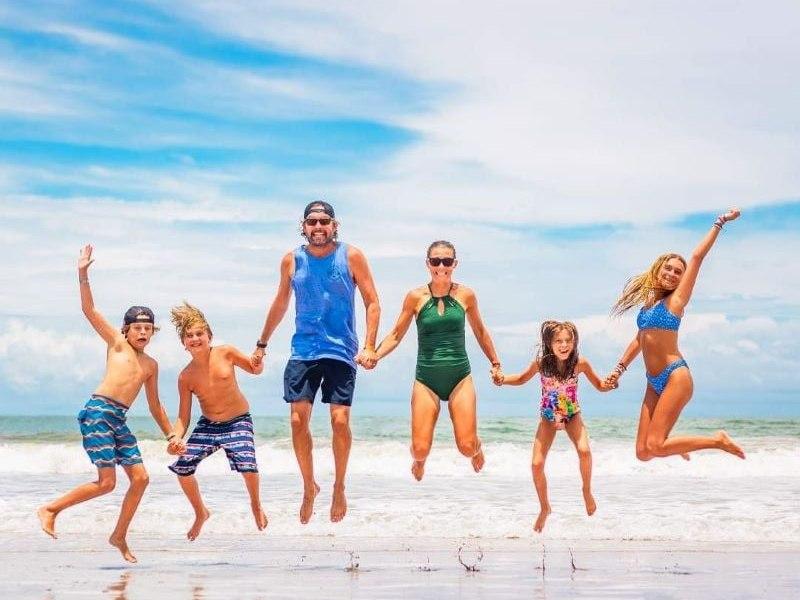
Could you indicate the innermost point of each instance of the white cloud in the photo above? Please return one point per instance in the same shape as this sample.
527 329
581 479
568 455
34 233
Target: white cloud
228 266
93 37
543 116
33 357
567 115
26 90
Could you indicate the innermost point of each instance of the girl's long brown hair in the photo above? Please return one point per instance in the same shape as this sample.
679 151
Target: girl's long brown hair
548 363
640 288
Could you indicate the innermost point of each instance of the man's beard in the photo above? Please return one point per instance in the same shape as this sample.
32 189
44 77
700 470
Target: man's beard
324 240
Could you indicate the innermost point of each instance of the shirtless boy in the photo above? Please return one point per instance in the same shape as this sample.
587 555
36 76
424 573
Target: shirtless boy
226 421
106 437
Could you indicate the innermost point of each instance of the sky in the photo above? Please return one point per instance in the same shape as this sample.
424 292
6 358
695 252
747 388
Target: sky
560 146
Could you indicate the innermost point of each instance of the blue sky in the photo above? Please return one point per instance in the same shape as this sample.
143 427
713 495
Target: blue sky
560 148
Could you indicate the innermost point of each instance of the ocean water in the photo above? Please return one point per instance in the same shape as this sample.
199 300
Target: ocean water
714 497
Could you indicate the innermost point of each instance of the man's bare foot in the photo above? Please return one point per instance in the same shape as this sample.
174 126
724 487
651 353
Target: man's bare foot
478 460
338 504
307 507
685 456
199 521
261 518
418 469
588 499
122 546
539 525
726 443
48 520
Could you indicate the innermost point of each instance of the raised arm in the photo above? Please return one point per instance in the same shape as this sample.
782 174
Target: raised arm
239 359
277 309
518 378
400 328
601 385
107 331
154 404
359 268
480 330
682 294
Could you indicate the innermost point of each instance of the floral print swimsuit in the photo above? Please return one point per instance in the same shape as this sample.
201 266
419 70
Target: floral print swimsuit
559 400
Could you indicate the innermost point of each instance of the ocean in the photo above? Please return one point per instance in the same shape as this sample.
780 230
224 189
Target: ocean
713 498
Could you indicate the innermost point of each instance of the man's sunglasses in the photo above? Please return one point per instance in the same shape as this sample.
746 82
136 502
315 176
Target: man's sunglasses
435 261
313 222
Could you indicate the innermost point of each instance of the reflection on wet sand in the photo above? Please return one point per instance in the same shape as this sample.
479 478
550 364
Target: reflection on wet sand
118 589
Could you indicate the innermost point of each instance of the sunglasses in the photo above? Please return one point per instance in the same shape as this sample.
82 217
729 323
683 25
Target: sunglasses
313 222
436 261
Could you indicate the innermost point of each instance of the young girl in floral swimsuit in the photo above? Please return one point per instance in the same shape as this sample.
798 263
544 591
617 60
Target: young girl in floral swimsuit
559 365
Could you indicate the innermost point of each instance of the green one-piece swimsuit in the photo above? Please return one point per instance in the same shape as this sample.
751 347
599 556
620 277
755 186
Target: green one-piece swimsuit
442 360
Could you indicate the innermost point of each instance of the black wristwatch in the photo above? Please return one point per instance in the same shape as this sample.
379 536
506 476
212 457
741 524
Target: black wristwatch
260 344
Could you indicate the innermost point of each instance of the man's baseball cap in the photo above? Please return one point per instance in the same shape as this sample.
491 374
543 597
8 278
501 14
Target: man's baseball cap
319 206
139 314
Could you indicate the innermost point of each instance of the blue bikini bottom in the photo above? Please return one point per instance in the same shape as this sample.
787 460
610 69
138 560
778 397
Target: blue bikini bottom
659 382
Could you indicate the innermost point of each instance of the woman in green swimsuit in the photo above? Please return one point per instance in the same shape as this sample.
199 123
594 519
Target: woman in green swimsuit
441 309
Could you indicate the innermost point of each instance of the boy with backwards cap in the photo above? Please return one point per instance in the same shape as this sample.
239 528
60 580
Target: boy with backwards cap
106 437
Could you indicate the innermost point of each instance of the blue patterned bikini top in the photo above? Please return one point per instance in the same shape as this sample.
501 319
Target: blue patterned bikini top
658 317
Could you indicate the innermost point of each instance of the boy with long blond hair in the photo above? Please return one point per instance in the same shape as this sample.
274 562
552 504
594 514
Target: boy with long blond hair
225 422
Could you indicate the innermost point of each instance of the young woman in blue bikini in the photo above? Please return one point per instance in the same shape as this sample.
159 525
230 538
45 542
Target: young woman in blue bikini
664 291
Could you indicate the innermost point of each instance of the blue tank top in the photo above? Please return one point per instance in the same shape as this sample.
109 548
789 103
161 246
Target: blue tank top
324 294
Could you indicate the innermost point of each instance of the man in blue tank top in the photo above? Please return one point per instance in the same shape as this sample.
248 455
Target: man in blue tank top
323 273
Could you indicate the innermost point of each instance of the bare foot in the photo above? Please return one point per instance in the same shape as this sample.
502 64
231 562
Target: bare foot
122 546
685 456
338 505
726 443
199 520
48 520
588 499
307 507
539 525
478 460
418 469
261 518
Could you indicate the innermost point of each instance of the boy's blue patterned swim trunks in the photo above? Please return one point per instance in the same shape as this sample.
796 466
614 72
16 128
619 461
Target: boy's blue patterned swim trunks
106 436
234 436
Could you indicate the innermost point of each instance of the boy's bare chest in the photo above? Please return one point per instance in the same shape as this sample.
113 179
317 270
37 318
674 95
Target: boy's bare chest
218 376
127 364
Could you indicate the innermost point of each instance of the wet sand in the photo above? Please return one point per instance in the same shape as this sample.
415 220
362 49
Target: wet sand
299 567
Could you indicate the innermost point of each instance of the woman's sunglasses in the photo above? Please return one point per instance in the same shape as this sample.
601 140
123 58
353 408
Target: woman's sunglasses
435 261
313 222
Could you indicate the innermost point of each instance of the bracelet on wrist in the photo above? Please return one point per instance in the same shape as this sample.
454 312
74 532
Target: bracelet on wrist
81 281
170 436
495 364
720 222
260 344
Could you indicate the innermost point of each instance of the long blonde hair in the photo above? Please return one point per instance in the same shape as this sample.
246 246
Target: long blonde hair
186 316
640 288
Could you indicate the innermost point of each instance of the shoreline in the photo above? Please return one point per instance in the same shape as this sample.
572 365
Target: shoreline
371 567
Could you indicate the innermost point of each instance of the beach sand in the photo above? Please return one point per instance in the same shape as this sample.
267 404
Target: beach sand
261 566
